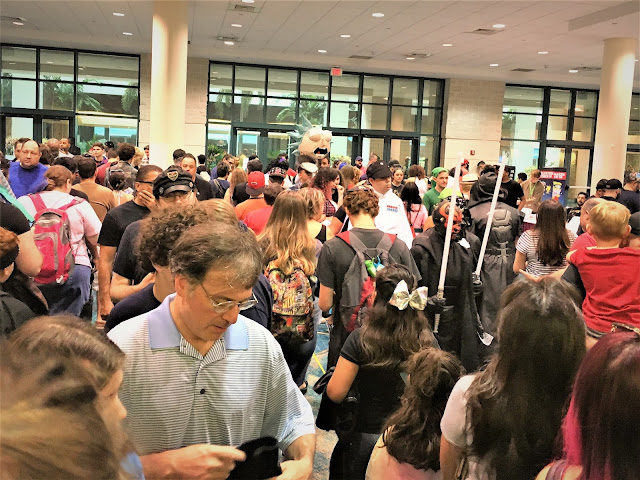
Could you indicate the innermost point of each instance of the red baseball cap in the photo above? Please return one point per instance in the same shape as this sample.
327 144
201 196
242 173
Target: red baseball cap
255 184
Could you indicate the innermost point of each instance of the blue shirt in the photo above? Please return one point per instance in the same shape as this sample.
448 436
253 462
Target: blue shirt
25 181
175 397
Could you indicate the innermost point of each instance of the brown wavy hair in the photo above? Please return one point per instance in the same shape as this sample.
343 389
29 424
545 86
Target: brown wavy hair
389 335
361 200
286 238
57 176
412 433
553 239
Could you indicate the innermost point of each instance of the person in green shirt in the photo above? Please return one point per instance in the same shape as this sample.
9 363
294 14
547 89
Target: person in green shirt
432 197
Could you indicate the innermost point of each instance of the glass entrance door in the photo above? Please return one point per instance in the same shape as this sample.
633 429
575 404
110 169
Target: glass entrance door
15 128
55 128
577 161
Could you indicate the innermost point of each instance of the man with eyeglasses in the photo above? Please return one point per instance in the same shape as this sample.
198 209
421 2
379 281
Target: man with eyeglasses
201 379
115 223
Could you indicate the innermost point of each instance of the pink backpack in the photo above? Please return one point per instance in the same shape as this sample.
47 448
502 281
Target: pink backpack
52 235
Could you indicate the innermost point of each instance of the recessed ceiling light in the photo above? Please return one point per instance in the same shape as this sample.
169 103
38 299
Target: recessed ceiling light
80 68
499 25
411 58
49 62
322 51
127 33
403 87
18 23
447 44
118 14
573 70
236 25
248 1
345 36
377 15
542 53
229 42
12 63
493 65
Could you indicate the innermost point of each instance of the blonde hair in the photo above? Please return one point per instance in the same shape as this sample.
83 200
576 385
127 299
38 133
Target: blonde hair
609 220
314 202
50 425
286 238
57 176
136 161
219 210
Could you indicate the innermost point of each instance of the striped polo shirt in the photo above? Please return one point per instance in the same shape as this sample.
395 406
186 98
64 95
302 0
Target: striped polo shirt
239 391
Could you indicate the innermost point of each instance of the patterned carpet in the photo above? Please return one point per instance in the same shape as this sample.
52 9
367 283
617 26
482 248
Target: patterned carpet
325 440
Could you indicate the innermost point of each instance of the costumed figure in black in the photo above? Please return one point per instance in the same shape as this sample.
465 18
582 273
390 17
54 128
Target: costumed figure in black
459 330
497 267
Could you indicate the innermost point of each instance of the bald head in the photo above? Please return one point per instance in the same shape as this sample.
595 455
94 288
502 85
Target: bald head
30 155
54 146
586 208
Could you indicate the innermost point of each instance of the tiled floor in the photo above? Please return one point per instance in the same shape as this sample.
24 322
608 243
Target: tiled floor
325 440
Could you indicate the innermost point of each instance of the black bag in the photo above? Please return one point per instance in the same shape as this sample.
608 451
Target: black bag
341 417
13 313
262 460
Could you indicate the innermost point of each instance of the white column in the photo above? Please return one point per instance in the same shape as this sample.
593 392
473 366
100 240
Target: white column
614 106
168 79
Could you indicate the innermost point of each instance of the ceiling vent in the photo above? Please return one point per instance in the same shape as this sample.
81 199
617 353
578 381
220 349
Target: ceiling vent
227 39
419 55
244 8
524 70
361 57
587 69
486 31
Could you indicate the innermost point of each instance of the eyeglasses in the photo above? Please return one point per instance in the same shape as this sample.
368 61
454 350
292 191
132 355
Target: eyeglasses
615 326
223 307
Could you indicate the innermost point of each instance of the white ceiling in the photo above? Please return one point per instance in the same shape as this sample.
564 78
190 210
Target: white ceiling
287 32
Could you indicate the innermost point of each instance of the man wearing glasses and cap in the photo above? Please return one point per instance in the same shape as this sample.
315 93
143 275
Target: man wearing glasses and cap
200 378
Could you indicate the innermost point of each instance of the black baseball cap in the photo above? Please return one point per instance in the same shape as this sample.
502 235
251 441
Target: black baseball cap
173 179
613 184
634 223
378 170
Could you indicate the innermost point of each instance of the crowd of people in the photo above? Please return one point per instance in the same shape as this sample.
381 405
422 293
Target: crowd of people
208 285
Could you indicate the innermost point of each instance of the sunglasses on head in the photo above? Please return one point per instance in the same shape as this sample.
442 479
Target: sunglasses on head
616 326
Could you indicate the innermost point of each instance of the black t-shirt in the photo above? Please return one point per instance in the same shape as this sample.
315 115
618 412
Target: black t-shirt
117 220
13 219
336 256
204 191
127 263
239 193
380 389
141 302
514 193
630 199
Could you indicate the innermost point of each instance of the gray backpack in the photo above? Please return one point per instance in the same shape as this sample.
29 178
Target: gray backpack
358 284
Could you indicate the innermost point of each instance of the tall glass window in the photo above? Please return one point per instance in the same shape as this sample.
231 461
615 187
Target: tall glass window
363 108
97 93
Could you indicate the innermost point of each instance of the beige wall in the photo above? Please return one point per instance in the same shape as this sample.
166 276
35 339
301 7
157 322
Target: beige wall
472 120
196 104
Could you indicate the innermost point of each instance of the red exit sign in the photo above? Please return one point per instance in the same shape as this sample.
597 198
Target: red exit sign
336 72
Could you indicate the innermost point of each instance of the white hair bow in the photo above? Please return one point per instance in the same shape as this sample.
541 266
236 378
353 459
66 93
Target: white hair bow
401 297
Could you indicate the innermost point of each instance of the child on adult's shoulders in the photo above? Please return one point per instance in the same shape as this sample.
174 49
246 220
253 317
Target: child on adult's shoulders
609 272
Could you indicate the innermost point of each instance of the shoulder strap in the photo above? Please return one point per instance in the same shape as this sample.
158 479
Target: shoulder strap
73 202
386 242
37 201
557 470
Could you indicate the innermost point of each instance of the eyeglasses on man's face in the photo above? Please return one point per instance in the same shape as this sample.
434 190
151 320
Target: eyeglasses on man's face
223 307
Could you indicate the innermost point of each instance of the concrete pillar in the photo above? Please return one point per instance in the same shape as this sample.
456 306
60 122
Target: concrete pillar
614 106
168 79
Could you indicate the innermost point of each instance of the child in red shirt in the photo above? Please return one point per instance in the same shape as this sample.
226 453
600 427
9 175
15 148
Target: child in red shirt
611 275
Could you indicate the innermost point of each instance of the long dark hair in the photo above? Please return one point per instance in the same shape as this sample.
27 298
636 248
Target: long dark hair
553 239
410 195
516 405
412 433
602 428
322 179
389 335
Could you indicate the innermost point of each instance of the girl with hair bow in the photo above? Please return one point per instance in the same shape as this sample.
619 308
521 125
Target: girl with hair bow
373 359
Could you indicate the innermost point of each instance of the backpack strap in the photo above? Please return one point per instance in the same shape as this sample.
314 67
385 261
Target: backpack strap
557 470
354 242
72 203
37 201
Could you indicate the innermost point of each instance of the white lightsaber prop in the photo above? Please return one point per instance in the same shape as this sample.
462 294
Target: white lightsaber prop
447 237
487 230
